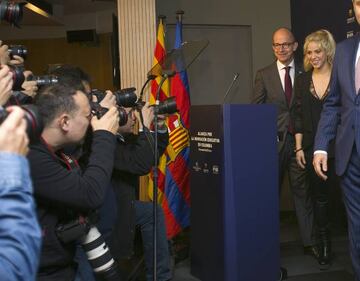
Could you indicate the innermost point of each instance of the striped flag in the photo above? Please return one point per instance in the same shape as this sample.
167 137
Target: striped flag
174 189
159 55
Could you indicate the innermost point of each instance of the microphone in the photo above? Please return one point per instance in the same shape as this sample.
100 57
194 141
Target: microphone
236 76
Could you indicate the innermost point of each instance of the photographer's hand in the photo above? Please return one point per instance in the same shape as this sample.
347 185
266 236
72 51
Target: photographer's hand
6 83
109 100
148 115
4 54
13 137
30 87
16 60
108 122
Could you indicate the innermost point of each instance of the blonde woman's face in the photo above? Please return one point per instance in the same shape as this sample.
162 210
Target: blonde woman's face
316 55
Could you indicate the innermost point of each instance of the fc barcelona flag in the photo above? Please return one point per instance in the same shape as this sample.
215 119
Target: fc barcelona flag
174 189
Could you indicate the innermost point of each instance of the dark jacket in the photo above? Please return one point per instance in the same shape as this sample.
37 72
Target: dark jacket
61 194
134 157
307 112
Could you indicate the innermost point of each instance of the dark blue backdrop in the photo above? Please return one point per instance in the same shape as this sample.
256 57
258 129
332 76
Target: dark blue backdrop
310 15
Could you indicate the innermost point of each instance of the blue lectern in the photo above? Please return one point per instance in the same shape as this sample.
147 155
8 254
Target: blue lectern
234 193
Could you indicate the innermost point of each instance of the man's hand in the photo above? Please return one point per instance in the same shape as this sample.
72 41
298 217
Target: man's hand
108 122
148 114
13 137
109 100
320 164
16 60
30 87
300 159
6 83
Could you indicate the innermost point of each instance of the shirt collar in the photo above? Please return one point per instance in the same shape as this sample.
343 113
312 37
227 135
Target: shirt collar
281 66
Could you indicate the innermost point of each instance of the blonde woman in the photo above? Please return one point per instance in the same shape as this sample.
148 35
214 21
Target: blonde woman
311 89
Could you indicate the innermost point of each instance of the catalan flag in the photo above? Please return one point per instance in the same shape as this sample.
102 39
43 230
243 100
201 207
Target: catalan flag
174 189
159 55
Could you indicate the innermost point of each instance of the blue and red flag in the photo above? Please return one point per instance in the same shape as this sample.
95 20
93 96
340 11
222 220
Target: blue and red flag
175 193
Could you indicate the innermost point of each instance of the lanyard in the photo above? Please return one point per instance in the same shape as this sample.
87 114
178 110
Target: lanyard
71 163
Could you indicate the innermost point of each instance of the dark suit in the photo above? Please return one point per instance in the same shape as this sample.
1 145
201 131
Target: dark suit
268 89
341 118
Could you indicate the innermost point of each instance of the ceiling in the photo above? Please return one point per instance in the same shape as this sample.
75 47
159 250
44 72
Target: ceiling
66 8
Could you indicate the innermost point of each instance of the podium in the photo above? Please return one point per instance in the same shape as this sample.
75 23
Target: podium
234 193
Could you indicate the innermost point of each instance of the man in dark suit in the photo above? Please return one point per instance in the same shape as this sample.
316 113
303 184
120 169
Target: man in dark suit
340 119
274 85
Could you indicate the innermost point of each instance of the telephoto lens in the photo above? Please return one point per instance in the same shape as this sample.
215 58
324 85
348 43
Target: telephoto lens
44 80
17 50
34 124
11 11
167 106
124 97
99 256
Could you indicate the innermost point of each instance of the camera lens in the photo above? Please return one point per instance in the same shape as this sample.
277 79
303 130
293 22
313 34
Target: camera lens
44 80
168 106
11 12
17 50
34 124
126 97
17 77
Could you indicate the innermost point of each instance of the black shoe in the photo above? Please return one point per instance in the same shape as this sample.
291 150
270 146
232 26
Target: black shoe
312 251
283 274
325 257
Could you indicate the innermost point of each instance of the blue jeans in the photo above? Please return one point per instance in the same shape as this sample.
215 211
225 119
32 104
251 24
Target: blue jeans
143 219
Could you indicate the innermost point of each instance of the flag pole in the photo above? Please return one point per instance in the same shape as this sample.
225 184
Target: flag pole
155 169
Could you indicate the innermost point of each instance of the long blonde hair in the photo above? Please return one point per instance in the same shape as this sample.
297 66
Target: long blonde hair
326 41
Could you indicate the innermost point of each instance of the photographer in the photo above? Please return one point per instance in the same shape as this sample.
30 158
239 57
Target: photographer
134 157
20 236
62 190
122 212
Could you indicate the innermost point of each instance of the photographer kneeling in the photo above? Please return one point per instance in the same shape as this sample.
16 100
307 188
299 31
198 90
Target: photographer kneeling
62 189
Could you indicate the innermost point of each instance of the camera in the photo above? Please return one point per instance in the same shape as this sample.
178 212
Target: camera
18 77
34 124
44 80
124 97
99 111
11 12
167 106
93 244
18 50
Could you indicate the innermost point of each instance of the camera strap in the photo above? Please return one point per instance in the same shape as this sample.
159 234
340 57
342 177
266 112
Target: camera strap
68 160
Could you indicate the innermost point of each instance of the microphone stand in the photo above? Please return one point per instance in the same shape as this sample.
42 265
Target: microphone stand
165 75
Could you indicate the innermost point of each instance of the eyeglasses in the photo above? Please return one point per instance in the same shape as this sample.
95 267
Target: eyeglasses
285 45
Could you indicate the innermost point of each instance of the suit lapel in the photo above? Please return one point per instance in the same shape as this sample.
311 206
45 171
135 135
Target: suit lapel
354 49
277 83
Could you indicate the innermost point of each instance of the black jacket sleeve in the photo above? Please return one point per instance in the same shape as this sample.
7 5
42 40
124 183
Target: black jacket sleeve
53 183
137 157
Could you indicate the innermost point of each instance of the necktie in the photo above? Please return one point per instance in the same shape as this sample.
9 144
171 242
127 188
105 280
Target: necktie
357 76
288 85
288 94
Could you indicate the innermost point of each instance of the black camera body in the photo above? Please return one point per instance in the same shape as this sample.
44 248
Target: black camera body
123 99
17 50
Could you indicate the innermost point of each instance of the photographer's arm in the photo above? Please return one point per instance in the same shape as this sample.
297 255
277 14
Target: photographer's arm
20 235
